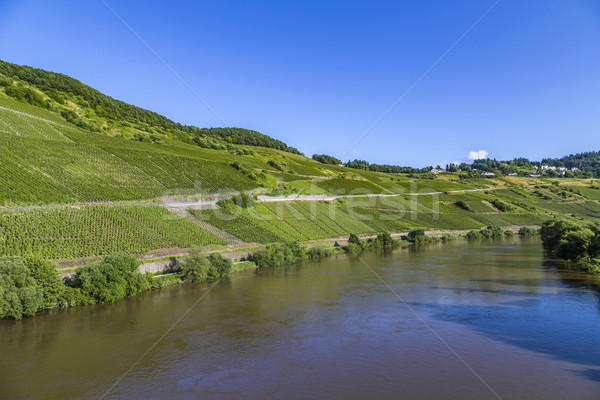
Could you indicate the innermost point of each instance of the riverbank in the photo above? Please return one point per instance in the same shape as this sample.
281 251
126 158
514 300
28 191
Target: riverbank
167 259
122 275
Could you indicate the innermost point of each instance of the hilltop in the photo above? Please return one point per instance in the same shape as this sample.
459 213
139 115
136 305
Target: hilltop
92 110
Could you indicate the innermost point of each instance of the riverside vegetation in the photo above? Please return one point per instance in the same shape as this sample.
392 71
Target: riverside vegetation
575 243
83 176
30 285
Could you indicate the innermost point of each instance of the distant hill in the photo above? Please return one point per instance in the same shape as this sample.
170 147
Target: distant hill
90 109
587 162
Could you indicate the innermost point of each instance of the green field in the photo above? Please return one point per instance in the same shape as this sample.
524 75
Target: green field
75 232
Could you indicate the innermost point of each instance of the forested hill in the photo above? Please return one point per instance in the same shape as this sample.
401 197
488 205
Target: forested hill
587 162
90 109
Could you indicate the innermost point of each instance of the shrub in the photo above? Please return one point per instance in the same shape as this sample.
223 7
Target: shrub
274 255
226 203
115 277
463 205
416 236
552 232
275 164
195 267
384 240
574 245
319 251
592 266
5 80
509 233
19 295
219 266
447 237
243 200
352 248
526 231
25 94
474 235
594 246
325 159
53 289
502 206
353 239
492 231
300 252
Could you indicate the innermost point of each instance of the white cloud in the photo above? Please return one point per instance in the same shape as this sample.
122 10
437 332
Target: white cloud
477 155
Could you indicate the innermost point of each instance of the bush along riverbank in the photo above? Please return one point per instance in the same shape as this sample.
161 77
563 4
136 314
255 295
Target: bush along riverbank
29 285
275 255
577 244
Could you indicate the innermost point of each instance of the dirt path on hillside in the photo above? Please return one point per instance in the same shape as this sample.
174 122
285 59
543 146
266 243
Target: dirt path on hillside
210 202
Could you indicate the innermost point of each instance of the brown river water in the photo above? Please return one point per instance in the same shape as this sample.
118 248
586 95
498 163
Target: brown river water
459 321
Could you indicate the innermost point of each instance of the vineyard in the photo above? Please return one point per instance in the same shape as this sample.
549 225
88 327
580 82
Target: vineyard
64 164
74 232
46 160
306 220
235 224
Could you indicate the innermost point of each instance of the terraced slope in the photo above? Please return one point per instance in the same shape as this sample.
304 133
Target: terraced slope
76 232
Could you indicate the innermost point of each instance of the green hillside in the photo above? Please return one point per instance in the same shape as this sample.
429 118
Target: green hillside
89 109
84 175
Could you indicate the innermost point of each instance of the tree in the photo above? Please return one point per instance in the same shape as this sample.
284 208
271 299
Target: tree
594 247
416 236
49 283
274 255
385 239
115 277
219 266
552 232
574 245
243 200
195 267
465 167
492 231
325 159
19 294
354 239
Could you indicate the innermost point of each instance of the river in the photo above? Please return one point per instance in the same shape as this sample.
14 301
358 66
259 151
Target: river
458 321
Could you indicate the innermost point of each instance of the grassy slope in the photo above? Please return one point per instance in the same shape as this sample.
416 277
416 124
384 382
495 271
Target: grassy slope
56 162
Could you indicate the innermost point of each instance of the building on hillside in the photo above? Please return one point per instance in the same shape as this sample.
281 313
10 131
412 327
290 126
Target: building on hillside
437 170
575 169
534 175
488 174
512 174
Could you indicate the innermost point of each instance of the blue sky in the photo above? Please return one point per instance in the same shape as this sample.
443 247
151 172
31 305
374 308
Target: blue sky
318 74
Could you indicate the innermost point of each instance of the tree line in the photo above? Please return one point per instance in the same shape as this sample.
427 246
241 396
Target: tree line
573 242
29 284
